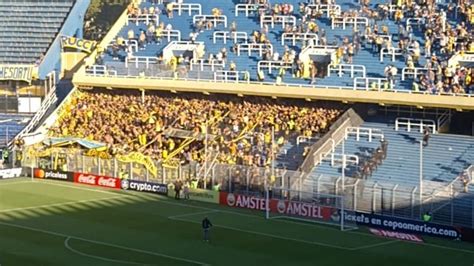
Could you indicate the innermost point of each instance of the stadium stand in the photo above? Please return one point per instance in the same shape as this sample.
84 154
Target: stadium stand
368 46
444 157
10 126
165 125
28 28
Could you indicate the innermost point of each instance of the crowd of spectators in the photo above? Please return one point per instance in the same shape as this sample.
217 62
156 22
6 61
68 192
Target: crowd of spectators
442 32
239 130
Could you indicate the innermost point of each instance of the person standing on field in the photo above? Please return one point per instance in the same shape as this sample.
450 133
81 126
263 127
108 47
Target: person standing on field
206 227
186 190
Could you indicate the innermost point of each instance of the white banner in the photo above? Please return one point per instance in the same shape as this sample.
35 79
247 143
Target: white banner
10 173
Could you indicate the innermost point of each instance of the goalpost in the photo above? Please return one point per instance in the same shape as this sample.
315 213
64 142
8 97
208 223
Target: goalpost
308 207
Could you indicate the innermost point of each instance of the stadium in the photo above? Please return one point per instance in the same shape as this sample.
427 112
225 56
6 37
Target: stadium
230 132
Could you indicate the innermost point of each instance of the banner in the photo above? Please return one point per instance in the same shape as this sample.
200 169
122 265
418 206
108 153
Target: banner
52 174
283 207
80 44
96 180
136 157
17 72
204 195
396 235
10 173
403 225
143 186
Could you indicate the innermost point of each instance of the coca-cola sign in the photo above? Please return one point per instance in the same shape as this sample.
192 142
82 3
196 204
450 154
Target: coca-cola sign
96 180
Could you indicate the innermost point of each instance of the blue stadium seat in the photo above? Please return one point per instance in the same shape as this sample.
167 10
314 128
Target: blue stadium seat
27 28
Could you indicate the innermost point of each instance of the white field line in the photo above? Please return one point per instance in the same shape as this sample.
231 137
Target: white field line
263 234
103 243
192 214
256 216
13 183
375 245
57 204
68 246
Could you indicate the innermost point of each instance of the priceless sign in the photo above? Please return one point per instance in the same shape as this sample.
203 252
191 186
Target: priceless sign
80 44
204 195
96 180
142 186
396 235
285 207
10 173
52 174
17 72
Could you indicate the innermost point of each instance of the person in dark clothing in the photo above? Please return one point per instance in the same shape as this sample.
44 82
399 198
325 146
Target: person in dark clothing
426 136
384 145
206 227
177 189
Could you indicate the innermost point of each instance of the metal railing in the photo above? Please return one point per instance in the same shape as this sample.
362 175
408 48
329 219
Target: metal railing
171 34
299 36
100 70
49 100
342 69
144 18
140 60
214 19
248 8
379 197
231 76
270 65
125 75
254 47
187 7
202 63
351 21
369 83
414 21
414 72
329 10
370 133
410 123
225 35
278 19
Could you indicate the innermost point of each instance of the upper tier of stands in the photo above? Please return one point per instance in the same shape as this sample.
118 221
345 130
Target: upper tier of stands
28 27
335 29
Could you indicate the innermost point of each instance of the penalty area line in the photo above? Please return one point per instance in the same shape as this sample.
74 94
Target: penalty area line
264 234
68 246
29 228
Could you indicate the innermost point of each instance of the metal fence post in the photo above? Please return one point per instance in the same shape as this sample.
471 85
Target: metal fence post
229 177
163 170
412 207
99 168
354 200
392 206
115 167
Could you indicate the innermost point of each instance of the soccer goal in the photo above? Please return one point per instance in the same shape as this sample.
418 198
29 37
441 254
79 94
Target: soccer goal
308 207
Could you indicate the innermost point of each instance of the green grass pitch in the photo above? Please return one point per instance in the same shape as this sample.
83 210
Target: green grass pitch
56 223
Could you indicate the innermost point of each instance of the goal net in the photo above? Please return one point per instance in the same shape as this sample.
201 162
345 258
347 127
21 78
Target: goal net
309 207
